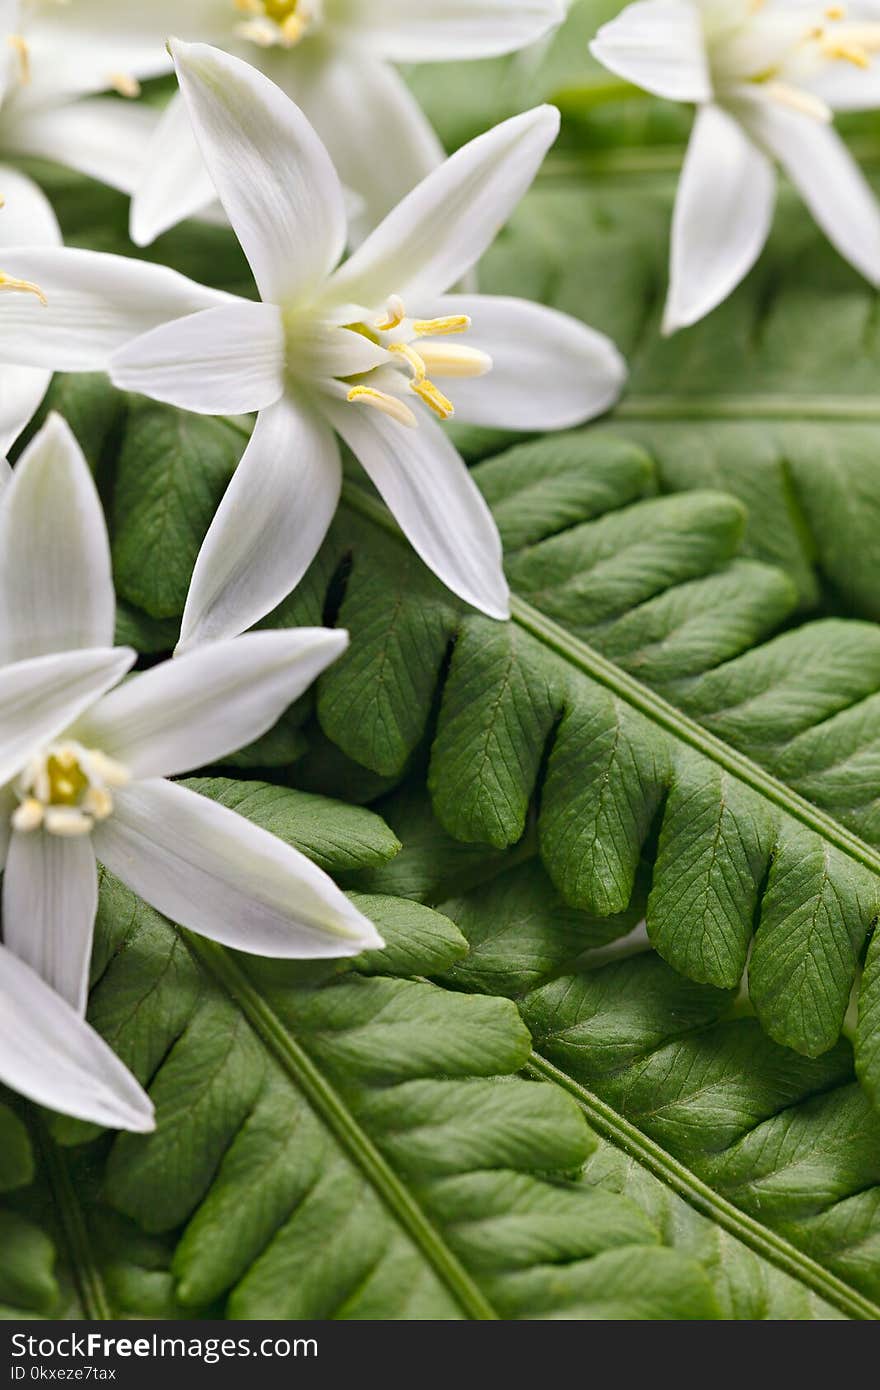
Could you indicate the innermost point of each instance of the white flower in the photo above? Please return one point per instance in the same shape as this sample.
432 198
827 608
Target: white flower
51 1055
333 57
357 350
46 76
82 772
766 78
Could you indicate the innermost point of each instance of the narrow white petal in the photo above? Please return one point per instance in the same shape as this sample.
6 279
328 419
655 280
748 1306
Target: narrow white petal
84 46
223 361
50 897
382 154
549 372
21 392
273 176
218 874
658 45
174 183
95 304
104 138
49 1054
828 179
425 31
445 224
723 212
26 219
268 528
434 499
42 697
209 702
56 586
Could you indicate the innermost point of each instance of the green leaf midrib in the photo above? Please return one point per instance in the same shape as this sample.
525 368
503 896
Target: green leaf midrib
654 708
74 1229
335 1115
704 1199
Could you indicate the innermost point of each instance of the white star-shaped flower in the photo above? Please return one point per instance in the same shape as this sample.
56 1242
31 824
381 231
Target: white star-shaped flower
356 350
334 58
766 78
84 767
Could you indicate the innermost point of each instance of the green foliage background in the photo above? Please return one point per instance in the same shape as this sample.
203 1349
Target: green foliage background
526 1106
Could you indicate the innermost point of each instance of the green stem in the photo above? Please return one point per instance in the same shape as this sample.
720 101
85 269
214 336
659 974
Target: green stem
704 1199
86 1274
341 1123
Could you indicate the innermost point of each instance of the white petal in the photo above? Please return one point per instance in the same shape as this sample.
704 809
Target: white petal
82 46
274 177
218 874
26 218
21 392
658 45
273 517
96 304
56 587
847 88
224 361
550 371
174 183
445 224
42 697
828 179
434 499
209 702
49 1054
383 153
105 139
50 897
428 31
723 212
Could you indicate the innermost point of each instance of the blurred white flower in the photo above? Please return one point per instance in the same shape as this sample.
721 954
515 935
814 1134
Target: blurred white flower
51 1055
82 772
356 350
333 57
766 78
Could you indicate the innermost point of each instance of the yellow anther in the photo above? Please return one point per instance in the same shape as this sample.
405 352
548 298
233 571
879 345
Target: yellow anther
799 100
124 84
429 328
20 44
835 12
415 361
9 282
428 392
382 401
98 803
847 53
28 815
454 360
2 201
393 316
66 821
292 30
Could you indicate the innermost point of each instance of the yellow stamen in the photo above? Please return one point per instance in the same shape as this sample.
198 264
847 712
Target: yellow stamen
9 282
124 84
429 328
28 816
412 357
393 316
428 392
453 360
799 100
66 821
381 400
835 12
847 53
292 30
20 44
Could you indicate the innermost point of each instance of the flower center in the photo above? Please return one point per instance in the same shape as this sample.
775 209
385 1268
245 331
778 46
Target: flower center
66 789
773 47
271 22
419 360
